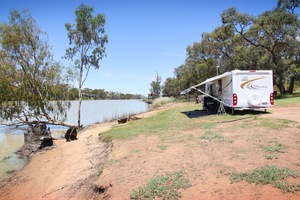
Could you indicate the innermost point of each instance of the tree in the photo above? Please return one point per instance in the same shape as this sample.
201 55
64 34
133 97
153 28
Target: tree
155 89
275 34
288 5
170 88
268 41
87 39
31 82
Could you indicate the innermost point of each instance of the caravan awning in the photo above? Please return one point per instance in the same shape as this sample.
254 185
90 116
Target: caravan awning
206 81
192 87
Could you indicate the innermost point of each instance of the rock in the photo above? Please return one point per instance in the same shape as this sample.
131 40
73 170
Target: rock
36 139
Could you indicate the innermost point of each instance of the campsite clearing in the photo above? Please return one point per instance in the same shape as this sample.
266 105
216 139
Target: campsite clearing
178 139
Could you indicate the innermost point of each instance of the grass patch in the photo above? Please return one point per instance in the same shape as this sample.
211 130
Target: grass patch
276 124
162 147
269 174
270 157
171 123
154 125
208 135
280 148
286 100
160 102
208 125
168 125
162 187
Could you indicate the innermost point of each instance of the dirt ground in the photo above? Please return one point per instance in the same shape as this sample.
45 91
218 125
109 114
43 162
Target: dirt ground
73 169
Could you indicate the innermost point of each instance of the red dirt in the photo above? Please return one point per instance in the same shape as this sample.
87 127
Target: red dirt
70 170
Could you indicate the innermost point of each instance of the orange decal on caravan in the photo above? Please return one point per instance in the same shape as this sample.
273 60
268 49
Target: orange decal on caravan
243 85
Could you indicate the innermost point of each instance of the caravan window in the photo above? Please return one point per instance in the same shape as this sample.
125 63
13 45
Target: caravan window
220 86
208 88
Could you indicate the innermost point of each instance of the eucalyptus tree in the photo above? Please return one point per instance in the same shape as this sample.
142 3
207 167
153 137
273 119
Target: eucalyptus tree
199 62
87 39
273 34
268 41
31 83
156 87
171 88
288 5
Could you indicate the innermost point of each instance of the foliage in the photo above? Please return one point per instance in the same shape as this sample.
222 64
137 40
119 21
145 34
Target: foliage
170 88
160 102
155 89
162 187
31 85
87 39
269 174
268 41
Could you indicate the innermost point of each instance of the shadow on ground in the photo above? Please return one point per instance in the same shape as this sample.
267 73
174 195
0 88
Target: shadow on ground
197 113
201 113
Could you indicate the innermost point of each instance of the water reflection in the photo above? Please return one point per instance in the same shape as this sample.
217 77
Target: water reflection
10 141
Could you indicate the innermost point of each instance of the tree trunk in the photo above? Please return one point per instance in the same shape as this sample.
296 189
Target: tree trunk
79 107
292 84
281 87
80 94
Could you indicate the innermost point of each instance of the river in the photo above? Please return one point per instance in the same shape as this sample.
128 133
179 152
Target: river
92 111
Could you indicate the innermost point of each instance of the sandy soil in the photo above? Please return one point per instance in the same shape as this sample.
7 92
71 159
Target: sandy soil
73 169
65 172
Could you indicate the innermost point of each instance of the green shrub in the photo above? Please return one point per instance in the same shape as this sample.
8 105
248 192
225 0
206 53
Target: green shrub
163 187
269 174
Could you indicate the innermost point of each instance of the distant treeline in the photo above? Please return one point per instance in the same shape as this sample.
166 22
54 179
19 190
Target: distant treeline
88 93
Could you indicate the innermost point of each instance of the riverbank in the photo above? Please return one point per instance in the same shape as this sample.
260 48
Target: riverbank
93 111
175 137
66 172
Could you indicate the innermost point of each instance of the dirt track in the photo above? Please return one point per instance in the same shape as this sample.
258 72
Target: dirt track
72 168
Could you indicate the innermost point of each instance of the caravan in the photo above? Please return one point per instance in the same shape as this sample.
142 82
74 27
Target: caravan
238 90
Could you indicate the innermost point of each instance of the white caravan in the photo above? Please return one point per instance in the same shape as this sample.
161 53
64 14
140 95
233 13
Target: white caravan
238 90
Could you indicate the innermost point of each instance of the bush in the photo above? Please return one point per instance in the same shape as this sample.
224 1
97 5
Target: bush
164 187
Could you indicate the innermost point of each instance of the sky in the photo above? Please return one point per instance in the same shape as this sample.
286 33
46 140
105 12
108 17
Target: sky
145 37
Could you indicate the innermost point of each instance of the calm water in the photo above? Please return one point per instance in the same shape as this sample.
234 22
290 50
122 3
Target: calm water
92 111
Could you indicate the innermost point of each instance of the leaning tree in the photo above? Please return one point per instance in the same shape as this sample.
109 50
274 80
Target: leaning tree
31 85
87 39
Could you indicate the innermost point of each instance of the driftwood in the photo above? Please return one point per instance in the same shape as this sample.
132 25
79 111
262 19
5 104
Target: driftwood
71 134
126 119
36 138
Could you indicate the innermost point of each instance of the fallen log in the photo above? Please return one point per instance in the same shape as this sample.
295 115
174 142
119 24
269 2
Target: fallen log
126 119
36 139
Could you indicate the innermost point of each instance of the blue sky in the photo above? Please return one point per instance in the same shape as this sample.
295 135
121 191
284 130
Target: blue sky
145 36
